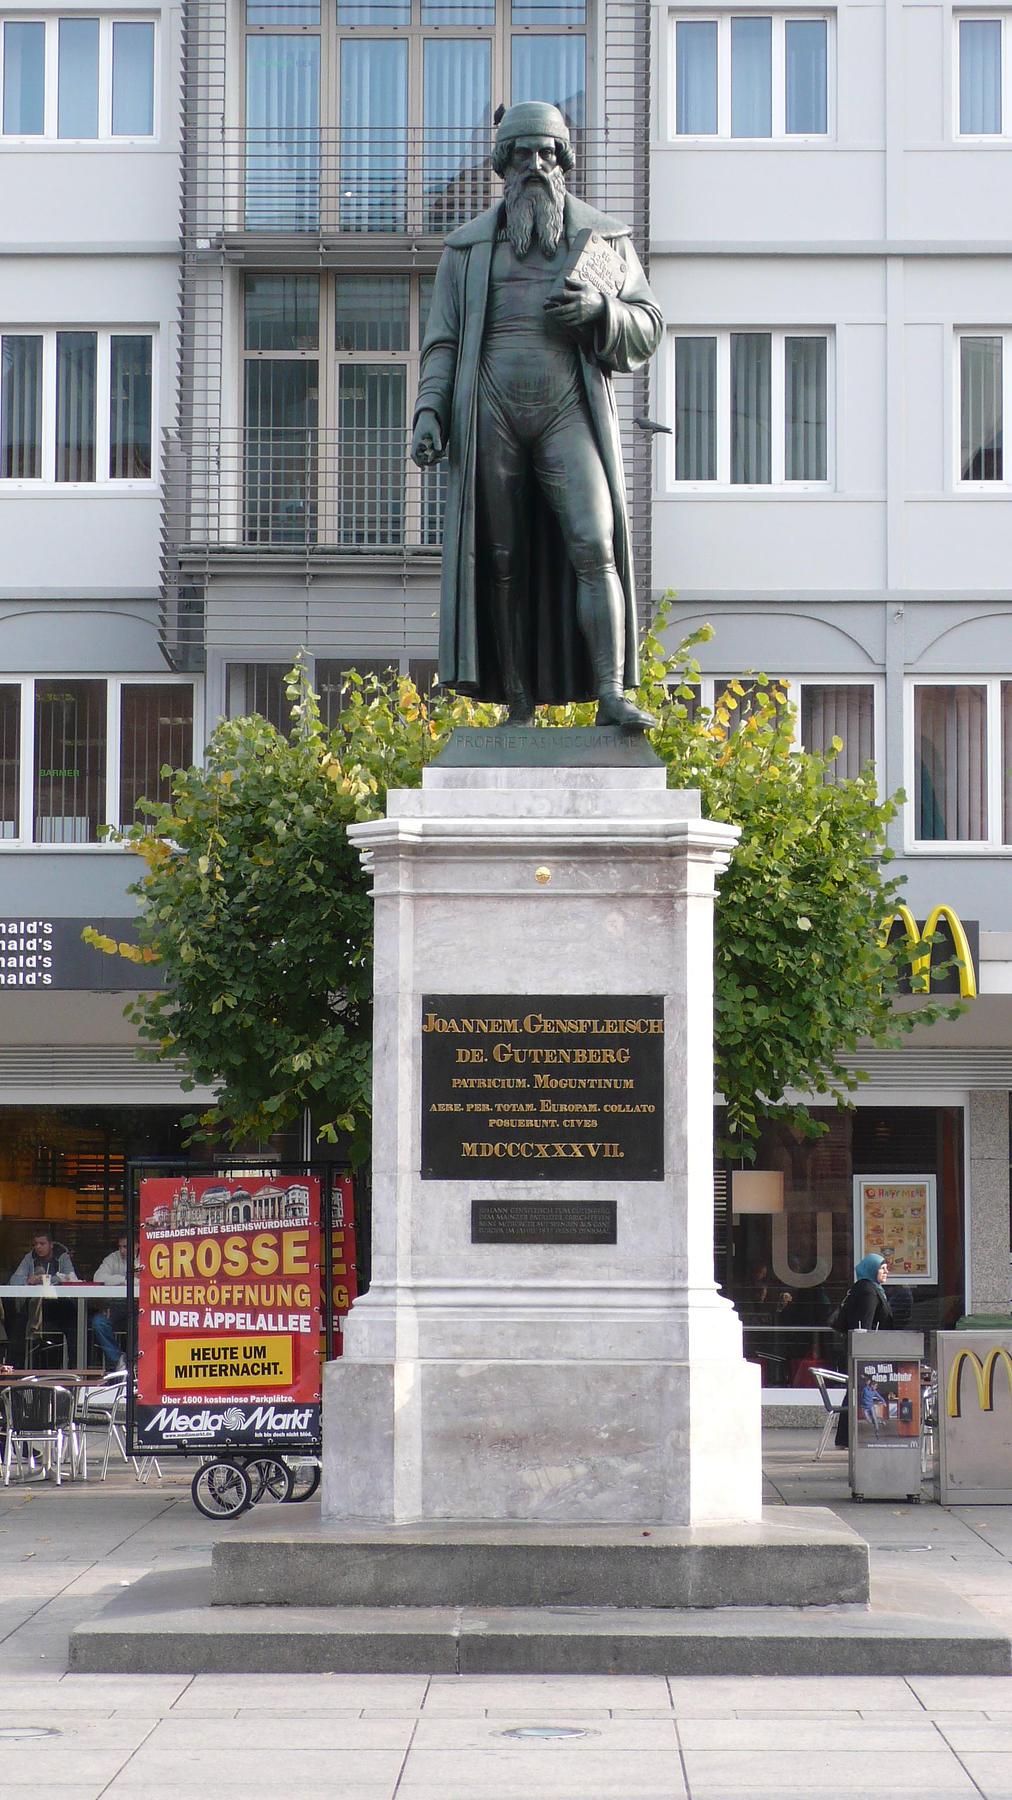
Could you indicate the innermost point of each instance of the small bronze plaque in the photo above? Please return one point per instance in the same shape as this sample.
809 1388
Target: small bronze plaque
547 1087
544 1222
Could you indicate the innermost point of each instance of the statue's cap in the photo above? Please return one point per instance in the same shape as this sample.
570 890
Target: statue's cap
532 118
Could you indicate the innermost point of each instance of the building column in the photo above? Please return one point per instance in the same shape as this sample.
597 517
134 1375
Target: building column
988 1203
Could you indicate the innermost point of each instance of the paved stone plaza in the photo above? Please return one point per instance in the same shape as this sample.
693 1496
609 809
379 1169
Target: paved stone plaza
64 1553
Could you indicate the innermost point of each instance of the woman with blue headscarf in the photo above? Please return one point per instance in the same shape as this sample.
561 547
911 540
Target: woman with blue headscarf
865 1308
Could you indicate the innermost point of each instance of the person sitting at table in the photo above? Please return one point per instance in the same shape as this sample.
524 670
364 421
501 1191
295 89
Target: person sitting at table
45 1265
110 1317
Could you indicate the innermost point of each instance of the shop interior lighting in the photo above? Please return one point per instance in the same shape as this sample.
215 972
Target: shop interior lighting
757 1191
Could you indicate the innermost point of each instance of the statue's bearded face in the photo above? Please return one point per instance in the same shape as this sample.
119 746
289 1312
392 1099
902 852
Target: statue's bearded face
534 190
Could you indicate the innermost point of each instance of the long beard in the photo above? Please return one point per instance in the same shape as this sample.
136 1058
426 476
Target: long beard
534 211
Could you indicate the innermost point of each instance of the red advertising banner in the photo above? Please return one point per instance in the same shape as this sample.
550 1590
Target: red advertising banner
344 1259
229 1313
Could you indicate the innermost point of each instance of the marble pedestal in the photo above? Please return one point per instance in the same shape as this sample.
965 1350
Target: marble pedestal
577 1384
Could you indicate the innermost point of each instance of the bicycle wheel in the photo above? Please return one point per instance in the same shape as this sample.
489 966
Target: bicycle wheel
221 1490
270 1478
305 1478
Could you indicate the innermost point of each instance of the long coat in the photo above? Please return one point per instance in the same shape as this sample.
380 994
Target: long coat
625 337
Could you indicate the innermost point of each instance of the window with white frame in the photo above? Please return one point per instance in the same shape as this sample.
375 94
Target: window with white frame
752 407
78 79
961 787
981 50
824 710
76 406
982 369
751 75
78 753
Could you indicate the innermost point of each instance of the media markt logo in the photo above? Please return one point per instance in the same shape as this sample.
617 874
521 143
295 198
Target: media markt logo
255 1421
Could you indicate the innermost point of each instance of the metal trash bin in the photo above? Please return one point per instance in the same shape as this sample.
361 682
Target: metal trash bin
886 1414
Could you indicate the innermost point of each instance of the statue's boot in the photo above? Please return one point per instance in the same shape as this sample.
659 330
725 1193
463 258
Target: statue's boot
601 612
516 693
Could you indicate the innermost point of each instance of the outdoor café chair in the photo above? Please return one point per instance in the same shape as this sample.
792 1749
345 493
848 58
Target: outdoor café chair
108 1403
40 1416
833 1403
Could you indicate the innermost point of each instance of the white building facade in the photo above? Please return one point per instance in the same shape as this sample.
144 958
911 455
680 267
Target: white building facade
89 707
829 248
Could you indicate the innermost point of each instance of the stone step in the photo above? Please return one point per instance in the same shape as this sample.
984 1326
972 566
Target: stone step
163 1624
802 1557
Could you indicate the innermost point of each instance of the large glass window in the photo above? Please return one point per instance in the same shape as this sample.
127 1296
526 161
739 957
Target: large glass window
806 83
374 142
282 133
129 408
133 78
69 799
10 760
552 65
156 732
457 76
76 406
981 407
696 409
93 748
21 408
980 57
840 710
24 86
961 780
822 711
258 688
64 1167
331 373
382 110
786 1268
371 432
751 75
78 78
282 379
696 77
752 408
77 89
950 762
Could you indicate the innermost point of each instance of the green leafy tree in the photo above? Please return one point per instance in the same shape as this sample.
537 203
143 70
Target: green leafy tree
255 905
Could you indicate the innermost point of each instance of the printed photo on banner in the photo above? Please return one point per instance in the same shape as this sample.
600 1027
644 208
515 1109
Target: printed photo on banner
895 1216
229 1313
888 1400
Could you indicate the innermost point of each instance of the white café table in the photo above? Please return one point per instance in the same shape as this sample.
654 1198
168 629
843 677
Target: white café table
81 1291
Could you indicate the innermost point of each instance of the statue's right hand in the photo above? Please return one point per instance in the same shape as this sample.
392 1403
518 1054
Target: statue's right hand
427 440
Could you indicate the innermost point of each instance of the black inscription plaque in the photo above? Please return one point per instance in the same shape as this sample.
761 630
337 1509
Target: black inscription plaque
557 1087
544 1222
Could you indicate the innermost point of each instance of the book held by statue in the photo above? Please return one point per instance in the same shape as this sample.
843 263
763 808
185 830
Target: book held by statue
593 261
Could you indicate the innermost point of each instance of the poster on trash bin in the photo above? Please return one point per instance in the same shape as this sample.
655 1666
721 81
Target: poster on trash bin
229 1314
888 1401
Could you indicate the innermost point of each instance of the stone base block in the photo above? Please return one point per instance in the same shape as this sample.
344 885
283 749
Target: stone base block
163 1624
568 1443
797 1557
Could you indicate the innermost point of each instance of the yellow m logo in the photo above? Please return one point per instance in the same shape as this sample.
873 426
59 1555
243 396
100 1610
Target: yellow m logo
920 968
983 1375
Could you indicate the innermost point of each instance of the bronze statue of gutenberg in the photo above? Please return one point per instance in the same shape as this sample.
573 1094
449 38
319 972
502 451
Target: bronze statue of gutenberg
538 601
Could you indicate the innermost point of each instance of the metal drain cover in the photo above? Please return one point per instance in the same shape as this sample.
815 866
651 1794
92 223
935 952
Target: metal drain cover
546 1731
28 1731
